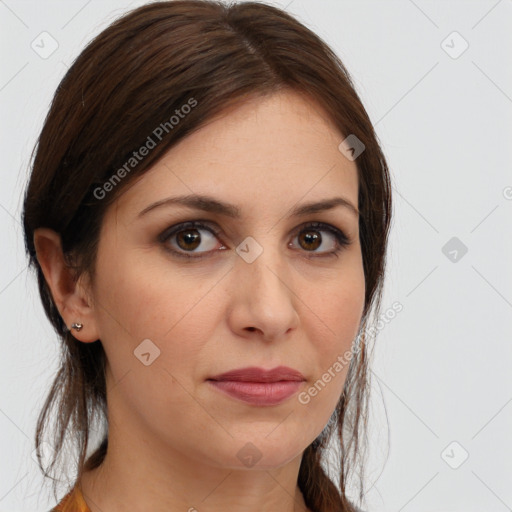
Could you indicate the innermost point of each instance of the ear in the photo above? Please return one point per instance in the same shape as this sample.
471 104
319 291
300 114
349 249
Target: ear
72 297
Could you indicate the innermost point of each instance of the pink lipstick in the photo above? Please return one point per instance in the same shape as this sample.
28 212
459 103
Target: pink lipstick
258 386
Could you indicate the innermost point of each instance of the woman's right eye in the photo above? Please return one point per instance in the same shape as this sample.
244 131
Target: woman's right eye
187 237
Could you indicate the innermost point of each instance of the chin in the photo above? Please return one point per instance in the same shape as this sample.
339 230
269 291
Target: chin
263 454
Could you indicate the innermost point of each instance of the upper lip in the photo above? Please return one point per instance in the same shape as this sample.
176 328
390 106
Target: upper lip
255 374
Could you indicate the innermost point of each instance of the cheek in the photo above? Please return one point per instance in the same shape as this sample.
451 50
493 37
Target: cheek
335 316
337 306
144 299
141 302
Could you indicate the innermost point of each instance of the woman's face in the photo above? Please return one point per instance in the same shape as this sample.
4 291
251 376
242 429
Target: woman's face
175 306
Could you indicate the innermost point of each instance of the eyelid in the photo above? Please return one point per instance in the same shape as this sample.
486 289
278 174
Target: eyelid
191 224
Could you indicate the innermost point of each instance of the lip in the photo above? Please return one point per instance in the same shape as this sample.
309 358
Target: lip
258 386
255 374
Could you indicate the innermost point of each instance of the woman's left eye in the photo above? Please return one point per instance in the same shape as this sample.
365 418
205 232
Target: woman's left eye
186 238
309 234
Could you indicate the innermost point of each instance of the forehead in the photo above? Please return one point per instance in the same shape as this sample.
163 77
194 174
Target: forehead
266 151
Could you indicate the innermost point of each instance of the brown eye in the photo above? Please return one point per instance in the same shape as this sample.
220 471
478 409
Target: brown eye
186 238
311 239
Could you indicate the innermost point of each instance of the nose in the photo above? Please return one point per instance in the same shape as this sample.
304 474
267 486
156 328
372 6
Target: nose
263 298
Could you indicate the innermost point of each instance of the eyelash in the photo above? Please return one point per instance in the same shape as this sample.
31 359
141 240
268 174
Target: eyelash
341 239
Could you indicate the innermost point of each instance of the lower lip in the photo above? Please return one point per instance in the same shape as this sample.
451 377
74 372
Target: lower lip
258 393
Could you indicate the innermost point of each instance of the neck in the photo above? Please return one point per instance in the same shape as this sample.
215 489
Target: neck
146 475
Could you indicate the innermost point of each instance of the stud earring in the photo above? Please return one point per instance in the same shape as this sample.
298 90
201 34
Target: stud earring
76 326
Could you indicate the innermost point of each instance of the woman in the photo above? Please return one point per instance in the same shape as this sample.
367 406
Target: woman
208 214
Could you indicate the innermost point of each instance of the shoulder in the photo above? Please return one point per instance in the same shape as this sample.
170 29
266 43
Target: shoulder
73 501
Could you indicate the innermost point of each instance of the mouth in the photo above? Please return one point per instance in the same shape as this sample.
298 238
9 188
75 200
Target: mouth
255 374
258 386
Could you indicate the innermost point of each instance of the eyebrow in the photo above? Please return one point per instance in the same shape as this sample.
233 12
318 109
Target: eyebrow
212 205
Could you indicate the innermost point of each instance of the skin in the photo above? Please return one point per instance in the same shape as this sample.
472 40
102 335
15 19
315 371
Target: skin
173 438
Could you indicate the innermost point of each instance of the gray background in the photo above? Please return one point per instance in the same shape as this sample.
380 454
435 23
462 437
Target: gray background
441 372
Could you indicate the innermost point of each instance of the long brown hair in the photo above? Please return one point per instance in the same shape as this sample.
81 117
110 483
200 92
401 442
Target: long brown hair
131 79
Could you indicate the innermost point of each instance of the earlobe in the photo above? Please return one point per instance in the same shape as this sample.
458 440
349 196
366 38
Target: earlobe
68 293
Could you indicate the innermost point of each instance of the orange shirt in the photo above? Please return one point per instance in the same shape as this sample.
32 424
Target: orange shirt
72 502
